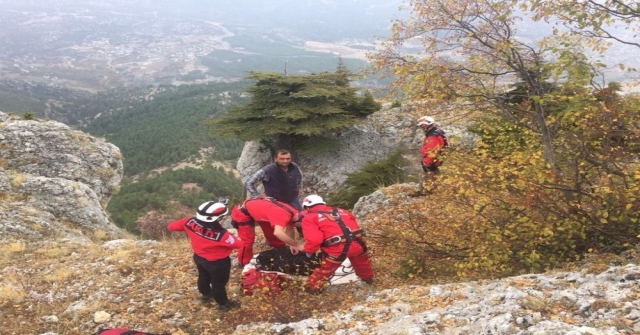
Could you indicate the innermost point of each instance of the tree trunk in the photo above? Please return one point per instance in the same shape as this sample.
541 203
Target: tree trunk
547 144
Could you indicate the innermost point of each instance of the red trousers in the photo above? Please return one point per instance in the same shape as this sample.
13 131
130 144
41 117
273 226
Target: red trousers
247 235
361 265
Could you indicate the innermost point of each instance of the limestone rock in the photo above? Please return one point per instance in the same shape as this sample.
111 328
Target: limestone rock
372 139
55 181
101 317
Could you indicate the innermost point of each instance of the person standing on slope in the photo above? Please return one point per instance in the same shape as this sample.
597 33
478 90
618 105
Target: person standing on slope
435 141
211 246
282 180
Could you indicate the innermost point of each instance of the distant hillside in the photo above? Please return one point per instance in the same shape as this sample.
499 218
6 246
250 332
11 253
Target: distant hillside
97 45
167 128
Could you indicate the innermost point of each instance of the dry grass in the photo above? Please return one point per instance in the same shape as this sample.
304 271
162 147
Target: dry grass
51 252
99 235
58 276
13 247
602 304
11 293
160 283
17 180
105 174
547 306
596 268
148 288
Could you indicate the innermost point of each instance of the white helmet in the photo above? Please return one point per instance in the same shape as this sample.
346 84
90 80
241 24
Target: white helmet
211 211
426 121
312 200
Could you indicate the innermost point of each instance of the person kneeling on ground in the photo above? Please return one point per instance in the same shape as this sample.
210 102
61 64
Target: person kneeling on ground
336 232
211 246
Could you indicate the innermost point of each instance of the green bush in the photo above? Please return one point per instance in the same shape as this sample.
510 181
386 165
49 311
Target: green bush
26 115
371 177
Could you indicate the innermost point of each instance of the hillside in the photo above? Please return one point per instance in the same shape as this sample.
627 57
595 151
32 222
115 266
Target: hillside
76 286
75 289
100 45
167 127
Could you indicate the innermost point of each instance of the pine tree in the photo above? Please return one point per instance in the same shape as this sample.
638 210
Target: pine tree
298 113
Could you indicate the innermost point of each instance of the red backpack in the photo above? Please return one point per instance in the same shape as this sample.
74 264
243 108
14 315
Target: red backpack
269 282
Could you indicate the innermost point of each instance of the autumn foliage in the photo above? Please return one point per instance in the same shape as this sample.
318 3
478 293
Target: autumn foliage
555 173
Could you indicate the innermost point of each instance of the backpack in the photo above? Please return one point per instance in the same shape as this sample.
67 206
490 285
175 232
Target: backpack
441 133
122 331
268 282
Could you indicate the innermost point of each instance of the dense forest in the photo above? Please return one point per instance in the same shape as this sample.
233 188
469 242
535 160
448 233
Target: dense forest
159 127
161 192
167 128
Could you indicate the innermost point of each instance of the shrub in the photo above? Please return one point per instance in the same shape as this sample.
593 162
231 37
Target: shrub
371 177
154 224
26 115
511 215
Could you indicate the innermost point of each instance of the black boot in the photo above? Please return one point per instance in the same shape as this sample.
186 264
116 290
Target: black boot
417 194
228 306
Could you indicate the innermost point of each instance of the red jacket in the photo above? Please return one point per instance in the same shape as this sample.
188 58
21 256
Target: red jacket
207 243
264 210
431 148
316 228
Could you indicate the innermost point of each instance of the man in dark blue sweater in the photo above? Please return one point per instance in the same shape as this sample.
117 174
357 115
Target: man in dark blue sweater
282 180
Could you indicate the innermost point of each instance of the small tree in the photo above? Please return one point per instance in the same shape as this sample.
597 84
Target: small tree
154 224
555 171
27 115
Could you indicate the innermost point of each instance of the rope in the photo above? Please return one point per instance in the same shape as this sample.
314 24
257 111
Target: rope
343 271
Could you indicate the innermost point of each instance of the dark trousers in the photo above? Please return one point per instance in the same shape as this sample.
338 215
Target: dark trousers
213 276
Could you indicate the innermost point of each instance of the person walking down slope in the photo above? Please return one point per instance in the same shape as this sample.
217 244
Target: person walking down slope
275 218
335 231
435 141
211 246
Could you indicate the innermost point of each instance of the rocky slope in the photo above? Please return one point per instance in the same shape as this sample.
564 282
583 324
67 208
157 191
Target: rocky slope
73 289
372 139
55 181
592 301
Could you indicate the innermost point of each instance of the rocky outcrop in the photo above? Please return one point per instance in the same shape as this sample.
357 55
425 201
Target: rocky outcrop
372 139
586 302
55 181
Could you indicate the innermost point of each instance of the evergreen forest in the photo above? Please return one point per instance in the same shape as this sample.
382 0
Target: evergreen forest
167 128
165 192
162 130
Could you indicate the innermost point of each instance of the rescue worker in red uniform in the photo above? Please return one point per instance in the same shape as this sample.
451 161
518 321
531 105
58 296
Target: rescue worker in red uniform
211 246
335 231
275 218
434 143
